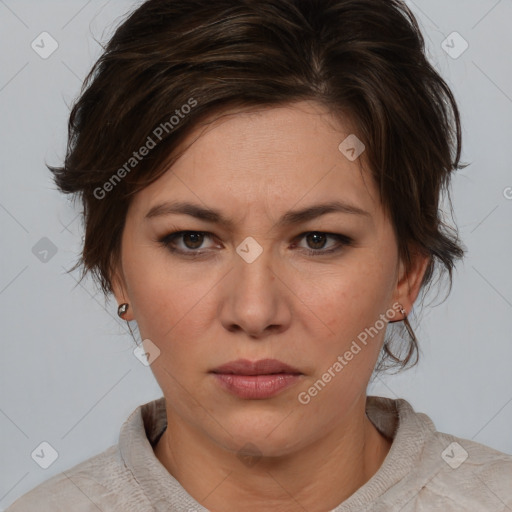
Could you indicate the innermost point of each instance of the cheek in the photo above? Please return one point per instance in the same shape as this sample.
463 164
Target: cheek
149 284
169 298
352 295
163 304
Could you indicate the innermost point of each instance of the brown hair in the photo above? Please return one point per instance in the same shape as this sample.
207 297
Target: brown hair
172 63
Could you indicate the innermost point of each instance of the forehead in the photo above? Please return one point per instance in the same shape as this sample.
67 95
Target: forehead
265 158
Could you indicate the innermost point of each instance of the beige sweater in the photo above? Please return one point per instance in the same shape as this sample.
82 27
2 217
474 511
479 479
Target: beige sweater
425 470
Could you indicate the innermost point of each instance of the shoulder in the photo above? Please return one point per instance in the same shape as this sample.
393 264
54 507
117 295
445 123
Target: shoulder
430 470
471 475
456 474
99 483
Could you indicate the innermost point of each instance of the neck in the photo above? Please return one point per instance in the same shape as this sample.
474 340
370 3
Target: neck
317 477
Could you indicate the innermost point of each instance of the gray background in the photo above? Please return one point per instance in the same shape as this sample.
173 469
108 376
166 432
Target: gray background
68 375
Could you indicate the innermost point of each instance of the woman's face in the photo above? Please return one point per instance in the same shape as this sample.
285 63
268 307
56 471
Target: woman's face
259 281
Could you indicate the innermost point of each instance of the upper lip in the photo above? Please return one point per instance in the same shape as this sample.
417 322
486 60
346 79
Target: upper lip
261 367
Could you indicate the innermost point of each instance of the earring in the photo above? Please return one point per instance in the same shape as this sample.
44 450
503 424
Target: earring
122 309
407 324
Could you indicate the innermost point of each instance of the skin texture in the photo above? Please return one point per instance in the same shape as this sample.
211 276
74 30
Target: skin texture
302 309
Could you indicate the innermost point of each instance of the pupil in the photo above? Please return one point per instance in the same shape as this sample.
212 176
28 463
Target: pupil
315 237
197 241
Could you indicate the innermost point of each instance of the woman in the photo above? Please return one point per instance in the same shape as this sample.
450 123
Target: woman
261 186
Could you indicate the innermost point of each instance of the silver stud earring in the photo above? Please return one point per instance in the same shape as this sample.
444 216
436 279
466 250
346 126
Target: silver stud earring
122 309
407 324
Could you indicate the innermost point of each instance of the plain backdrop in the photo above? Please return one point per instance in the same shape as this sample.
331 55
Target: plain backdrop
68 375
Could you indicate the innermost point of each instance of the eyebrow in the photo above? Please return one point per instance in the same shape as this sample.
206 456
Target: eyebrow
289 218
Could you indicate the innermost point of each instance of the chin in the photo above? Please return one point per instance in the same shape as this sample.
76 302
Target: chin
256 436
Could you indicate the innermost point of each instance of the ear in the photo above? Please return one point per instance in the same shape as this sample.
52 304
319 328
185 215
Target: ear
120 292
409 281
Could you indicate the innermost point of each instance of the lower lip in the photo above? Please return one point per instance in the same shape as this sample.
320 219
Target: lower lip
256 386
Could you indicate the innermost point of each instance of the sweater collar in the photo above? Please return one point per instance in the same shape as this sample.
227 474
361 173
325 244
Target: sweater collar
394 418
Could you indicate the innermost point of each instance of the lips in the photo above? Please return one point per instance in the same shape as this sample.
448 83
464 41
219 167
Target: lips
256 380
261 367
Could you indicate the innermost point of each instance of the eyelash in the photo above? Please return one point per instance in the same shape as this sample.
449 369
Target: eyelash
168 240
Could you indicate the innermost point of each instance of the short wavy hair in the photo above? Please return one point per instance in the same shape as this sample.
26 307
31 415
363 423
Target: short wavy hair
364 60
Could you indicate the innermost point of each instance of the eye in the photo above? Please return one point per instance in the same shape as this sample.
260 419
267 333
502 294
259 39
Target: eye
317 240
192 241
189 243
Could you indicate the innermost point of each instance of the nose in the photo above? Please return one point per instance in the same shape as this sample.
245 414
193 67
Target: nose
255 298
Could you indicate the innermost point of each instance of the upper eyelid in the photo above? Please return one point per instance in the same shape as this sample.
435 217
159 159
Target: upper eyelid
211 235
